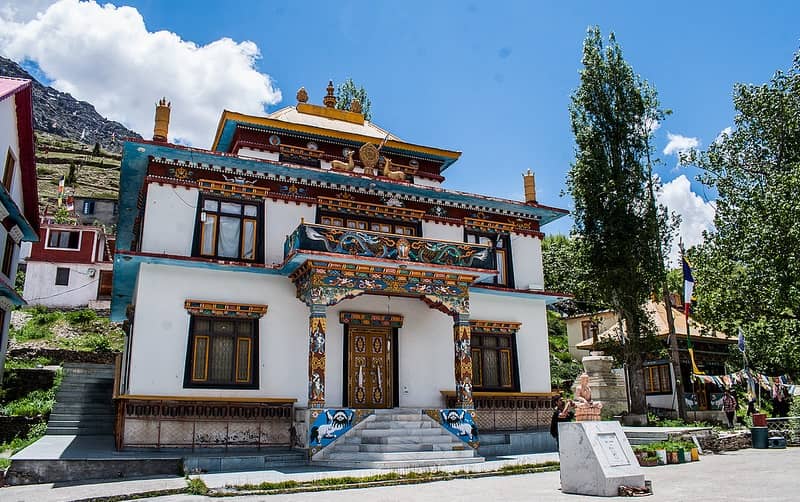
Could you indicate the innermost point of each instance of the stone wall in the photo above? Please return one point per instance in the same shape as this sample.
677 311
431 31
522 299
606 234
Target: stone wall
11 427
20 382
715 442
63 355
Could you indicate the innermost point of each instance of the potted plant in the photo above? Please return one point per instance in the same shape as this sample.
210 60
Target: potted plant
661 453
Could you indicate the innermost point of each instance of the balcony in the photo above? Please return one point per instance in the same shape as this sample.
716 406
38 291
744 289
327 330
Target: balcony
388 247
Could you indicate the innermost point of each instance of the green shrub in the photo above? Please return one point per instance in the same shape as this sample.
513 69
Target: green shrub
36 403
196 486
81 317
30 331
13 364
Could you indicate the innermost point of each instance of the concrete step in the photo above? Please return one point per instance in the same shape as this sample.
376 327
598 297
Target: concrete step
67 407
396 417
236 463
387 448
442 438
398 411
400 424
75 431
399 432
393 456
76 395
397 464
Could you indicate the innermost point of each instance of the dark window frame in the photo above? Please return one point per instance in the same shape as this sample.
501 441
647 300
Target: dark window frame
189 382
589 329
494 239
72 233
8 169
198 228
60 272
664 372
88 207
477 378
345 217
8 257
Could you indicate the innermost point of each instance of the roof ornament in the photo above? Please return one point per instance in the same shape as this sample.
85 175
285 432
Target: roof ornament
355 106
329 100
302 95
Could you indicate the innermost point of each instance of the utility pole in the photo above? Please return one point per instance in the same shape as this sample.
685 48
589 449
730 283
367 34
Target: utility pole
675 355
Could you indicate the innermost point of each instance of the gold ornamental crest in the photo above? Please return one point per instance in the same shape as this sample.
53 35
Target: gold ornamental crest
368 154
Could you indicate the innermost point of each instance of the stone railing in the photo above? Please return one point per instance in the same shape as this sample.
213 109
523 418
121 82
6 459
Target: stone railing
346 241
509 411
170 422
788 427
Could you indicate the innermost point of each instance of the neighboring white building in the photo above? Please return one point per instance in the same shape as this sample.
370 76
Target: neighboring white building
278 276
71 266
19 207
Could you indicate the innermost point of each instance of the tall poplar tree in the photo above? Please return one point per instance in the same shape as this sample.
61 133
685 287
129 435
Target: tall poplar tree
620 228
347 92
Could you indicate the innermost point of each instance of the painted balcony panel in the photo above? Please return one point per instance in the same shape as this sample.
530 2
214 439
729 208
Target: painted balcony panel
360 243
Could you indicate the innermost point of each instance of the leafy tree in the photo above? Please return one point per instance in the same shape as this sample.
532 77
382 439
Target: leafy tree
347 92
748 268
563 368
620 226
565 272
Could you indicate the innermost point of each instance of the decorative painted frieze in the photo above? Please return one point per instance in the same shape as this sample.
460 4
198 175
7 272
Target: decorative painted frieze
495 327
205 307
459 422
392 212
308 237
328 283
367 319
234 188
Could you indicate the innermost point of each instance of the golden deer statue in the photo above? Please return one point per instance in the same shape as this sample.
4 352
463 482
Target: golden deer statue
394 175
344 166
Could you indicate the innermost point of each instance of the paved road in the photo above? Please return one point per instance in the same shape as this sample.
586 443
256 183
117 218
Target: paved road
745 475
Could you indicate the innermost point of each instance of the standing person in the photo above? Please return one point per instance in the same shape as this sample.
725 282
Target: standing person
561 413
751 403
729 407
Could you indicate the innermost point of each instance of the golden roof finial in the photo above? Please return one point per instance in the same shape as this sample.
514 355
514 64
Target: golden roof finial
355 106
302 95
329 100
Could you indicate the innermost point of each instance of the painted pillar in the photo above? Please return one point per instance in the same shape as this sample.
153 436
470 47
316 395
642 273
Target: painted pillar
316 356
463 367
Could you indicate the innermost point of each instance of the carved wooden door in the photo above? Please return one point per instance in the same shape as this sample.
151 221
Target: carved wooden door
370 372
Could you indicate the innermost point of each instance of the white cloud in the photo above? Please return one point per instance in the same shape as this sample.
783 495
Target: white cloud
723 133
679 144
105 55
23 10
696 215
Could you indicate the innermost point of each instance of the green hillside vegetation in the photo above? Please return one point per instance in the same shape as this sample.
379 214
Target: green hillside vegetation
78 330
89 171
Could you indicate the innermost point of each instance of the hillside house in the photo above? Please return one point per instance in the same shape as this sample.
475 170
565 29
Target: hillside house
711 349
309 271
19 206
70 267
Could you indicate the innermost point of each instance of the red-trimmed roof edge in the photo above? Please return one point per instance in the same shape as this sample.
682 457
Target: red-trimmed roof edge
27 150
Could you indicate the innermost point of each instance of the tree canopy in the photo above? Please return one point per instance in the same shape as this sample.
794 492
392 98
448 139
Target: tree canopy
619 226
347 91
747 271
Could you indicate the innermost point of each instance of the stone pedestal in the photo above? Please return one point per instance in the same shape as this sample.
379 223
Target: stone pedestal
607 387
596 459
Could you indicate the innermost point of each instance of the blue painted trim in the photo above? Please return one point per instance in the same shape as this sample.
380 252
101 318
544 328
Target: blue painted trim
134 168
28 233
525 295
8 291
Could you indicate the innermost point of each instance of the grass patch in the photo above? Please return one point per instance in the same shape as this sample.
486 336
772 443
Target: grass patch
15 364
36 403
387 479
17 444
196 486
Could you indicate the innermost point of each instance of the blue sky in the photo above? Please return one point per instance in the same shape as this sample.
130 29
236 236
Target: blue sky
490 79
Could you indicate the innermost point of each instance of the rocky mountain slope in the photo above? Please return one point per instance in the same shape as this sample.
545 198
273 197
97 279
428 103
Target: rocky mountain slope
58 113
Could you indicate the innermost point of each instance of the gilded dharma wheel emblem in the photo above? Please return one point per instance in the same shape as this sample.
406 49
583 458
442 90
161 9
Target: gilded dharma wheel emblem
368 154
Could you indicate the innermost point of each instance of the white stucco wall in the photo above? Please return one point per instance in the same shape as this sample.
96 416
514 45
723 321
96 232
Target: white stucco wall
425 342
282 218
8 128
41 289
526 252
440 231
257 154
169 219
605 320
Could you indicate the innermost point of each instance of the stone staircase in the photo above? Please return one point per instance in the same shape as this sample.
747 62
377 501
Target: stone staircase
83 402
396 438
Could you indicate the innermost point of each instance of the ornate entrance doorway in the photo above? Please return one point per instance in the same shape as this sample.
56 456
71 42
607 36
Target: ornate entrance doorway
370 368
